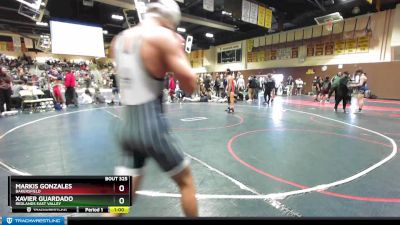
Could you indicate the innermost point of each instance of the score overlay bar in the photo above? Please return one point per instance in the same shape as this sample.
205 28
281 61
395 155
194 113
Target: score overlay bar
68 193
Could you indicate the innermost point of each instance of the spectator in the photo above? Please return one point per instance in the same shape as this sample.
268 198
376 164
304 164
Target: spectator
5 90
70 93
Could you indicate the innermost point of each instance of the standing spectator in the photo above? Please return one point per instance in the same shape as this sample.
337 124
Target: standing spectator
252 87
269 88
115 89
178 91
240 86
314 85
172 87
299 86
5 90
207 85
70 93
317 87
217 85
289 86
88 80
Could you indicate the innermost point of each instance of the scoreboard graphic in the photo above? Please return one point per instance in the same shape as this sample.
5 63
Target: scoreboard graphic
69 194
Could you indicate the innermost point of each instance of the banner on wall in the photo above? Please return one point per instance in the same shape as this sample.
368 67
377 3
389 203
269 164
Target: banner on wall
261 16
329 48
196 58
249 57
340 47
3 46
351 46
253 13
208 5
250 45
16 42
255 57
319 49
245 11
273 54
284 53
28 43
310 50
363 45
229 47
268 18
261 56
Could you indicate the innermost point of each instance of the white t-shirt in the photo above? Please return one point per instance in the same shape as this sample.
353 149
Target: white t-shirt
299 83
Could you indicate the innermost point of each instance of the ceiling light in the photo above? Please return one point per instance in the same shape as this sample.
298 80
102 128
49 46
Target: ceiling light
43 24
356 10
105 32
209 35
226 13
117 17
181 29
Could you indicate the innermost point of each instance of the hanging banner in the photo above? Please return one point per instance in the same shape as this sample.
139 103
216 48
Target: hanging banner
262 41
245 11
10 47
261 56
319 49
268 18
253 13
310 50
284 53
255 57
351 46
28 43
16 42
267 55
363 45
261 16
249 57
273 54
295 52
208 5
340 47
329 48
250 45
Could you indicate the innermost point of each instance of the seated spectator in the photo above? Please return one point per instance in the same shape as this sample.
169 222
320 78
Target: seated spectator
85 98
98 97
16 99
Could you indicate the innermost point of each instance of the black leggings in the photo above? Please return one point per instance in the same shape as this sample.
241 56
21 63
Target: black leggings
5 97
267 92
339 98
331 92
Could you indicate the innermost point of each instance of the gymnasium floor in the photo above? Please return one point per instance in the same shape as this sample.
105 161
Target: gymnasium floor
295 158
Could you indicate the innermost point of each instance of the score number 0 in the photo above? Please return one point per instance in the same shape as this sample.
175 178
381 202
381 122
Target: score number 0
121 189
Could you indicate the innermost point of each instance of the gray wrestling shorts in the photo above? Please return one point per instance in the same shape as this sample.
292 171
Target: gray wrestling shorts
144 133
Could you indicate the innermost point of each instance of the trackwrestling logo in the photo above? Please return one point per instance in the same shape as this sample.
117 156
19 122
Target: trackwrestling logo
33 220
